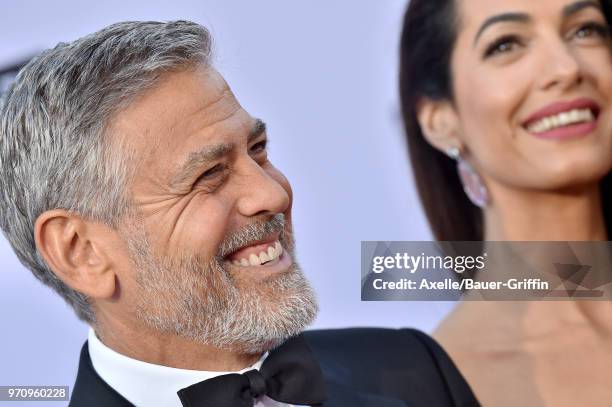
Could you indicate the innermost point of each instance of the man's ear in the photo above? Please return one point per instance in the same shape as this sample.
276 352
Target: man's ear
439 123
76 252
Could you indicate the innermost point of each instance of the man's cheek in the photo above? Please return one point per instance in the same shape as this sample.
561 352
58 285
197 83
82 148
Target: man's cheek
201 229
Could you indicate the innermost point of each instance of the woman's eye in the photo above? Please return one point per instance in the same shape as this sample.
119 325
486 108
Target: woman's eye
501 46
593 30
259 147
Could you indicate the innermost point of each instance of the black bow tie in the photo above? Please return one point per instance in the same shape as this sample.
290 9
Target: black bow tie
290 374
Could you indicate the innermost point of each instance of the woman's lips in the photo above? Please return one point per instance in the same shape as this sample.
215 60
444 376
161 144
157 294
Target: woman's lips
564 120
571 131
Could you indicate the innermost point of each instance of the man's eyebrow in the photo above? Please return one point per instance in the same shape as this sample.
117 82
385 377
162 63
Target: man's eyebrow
502 18
201 157
258 128
580 5
198 159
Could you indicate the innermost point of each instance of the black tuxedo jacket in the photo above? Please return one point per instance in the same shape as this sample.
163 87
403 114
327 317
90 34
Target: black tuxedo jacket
363 367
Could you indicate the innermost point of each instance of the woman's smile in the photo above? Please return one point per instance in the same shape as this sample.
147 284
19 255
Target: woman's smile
562 120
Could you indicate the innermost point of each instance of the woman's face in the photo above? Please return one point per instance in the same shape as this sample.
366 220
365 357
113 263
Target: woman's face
532 82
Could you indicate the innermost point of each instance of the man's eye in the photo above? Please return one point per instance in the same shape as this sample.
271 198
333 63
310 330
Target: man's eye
212 172
259 147
503 45
212 178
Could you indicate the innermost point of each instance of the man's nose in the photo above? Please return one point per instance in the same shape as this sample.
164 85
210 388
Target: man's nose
261 193
559 67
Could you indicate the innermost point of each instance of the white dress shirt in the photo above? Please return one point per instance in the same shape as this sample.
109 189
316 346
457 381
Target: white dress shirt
145 384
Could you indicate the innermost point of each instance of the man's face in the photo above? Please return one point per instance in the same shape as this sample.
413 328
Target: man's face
210 236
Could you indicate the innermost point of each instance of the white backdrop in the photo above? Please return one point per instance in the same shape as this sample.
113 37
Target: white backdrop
323 75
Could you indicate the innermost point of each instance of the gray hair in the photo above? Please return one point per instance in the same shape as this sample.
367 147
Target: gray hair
54 148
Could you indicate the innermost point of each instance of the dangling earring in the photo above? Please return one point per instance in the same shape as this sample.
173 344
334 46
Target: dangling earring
474 187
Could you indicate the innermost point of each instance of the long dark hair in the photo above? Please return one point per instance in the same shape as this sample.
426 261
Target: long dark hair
428 37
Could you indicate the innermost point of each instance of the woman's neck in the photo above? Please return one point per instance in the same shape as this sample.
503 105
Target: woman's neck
523 215
553 216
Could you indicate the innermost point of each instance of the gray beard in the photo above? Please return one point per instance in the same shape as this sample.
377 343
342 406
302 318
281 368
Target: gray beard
200 301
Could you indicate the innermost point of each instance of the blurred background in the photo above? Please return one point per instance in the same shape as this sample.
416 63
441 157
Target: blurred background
323 75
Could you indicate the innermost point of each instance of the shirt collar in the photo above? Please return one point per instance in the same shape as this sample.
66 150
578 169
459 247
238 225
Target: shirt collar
142 383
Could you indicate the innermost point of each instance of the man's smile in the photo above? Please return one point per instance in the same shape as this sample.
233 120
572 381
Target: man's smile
267 255
258 254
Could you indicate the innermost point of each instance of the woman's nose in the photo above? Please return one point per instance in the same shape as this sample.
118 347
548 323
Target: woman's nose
560 67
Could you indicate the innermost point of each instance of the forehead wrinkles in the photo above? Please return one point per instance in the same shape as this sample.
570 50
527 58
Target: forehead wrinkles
203 123
160 144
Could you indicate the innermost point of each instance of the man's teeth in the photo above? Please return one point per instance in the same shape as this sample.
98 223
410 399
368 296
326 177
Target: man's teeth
273 252
562 119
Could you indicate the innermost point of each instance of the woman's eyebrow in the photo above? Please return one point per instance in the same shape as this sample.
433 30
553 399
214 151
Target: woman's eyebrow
502 18
524 18
580 5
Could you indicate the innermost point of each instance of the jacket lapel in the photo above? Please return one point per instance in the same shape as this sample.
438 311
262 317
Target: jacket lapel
90 390
341 396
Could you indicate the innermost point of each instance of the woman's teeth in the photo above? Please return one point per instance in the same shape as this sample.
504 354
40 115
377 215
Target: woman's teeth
562 119
273 252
